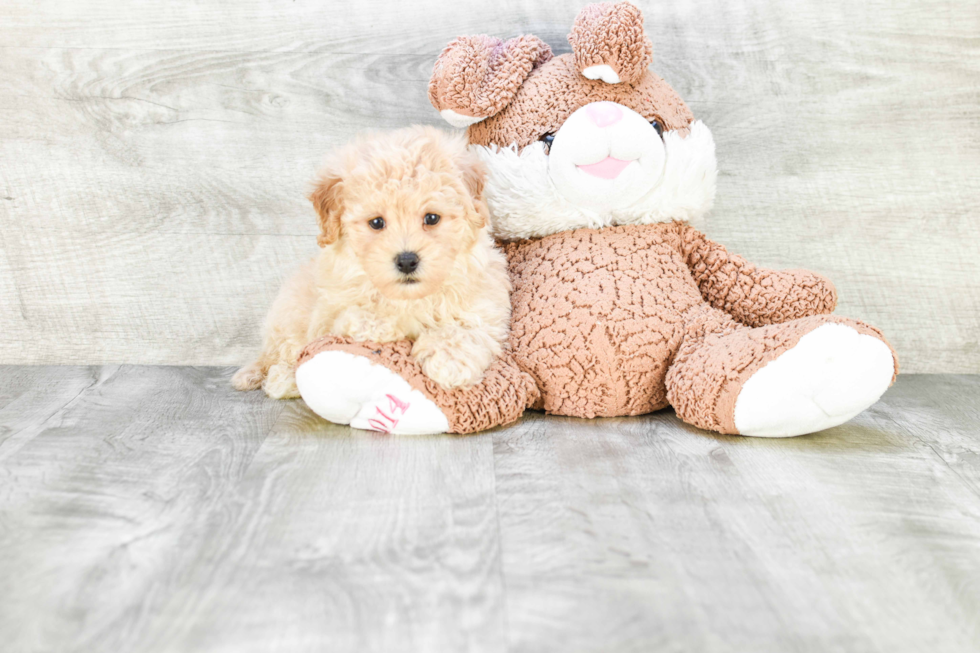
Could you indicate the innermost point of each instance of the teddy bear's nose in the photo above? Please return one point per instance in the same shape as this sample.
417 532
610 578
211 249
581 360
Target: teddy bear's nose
604 114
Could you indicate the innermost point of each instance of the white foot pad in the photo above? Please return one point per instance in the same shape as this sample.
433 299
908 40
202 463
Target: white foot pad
347 389
832 374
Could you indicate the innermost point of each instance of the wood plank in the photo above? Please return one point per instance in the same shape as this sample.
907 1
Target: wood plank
199 296
943 413
172 144
157 510
346 541
31 396
107 504
645 534
155 514
255 25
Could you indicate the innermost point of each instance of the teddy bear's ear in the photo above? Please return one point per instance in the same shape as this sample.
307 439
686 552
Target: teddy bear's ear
609 43
477 76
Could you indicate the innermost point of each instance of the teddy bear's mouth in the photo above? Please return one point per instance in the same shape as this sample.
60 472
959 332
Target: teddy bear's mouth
608 168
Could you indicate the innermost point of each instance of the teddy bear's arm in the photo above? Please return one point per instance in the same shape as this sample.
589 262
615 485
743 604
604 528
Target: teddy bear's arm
752 295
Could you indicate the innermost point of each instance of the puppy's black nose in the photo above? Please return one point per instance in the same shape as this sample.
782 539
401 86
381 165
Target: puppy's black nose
407 262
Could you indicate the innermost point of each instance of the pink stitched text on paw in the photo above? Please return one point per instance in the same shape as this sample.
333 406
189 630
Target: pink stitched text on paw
386 423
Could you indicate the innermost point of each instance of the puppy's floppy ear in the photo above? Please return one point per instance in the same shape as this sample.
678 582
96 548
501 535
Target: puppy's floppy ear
475 77
473 171
327 198
474 175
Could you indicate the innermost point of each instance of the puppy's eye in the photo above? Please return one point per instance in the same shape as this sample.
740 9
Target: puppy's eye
432 219
660 128
377 224
548 139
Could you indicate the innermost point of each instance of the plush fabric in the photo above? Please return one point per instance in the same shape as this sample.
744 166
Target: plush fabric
598 315
548 97
611 35
477 76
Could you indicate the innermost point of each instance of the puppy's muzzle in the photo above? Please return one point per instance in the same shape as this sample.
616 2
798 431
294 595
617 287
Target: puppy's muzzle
407 262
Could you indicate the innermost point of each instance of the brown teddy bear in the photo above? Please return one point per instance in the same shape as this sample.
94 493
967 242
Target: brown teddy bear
596 168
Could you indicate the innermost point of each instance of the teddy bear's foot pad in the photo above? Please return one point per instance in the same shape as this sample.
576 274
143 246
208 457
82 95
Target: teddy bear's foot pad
832 374
348 389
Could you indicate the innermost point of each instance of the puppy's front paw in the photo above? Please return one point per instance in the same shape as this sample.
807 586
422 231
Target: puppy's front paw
281 382
449 368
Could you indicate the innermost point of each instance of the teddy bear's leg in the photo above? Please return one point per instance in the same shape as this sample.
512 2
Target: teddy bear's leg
780 380
379 387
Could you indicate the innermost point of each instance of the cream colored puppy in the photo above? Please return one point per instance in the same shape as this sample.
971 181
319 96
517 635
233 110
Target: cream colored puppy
405 253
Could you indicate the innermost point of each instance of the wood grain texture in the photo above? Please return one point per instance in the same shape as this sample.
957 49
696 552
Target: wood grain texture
154 509
642 535
347 541
160 510
103 509
154 157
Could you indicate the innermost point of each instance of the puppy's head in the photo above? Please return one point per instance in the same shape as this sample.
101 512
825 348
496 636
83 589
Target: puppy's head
408 204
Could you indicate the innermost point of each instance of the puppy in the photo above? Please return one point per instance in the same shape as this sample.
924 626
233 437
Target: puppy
405 253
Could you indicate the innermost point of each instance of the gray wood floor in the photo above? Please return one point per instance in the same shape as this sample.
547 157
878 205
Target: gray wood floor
154 509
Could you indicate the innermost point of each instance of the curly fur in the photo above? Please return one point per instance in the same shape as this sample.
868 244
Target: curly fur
455 307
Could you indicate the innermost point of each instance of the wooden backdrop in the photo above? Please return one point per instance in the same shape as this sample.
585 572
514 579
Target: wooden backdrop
154 155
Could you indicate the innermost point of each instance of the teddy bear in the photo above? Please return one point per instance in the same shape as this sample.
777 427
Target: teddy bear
597 174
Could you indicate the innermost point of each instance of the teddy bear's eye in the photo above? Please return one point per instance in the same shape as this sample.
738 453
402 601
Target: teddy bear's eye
377 224
548 139
656 125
